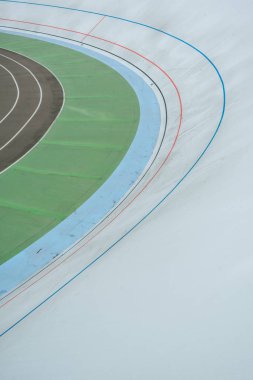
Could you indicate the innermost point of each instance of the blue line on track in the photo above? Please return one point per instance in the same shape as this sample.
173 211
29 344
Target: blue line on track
178 183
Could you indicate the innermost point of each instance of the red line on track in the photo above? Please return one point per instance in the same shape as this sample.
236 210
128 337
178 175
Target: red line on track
153 176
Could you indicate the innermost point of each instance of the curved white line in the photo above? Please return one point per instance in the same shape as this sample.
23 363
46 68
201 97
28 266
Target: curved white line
30 118
18 92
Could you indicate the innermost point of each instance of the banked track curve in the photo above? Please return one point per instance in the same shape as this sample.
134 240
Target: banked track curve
131 190
182 178
174 140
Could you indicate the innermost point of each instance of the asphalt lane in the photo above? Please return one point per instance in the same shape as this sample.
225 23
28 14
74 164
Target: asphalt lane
7 87
39 102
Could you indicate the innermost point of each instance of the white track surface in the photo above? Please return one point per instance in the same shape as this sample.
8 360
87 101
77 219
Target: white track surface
173 300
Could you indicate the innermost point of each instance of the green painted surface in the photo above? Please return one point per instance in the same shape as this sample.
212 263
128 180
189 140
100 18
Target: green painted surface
84 146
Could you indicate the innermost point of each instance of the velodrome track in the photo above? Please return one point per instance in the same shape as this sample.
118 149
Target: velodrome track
160 305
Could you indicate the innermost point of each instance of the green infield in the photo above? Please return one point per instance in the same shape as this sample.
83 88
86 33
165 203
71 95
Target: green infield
81 150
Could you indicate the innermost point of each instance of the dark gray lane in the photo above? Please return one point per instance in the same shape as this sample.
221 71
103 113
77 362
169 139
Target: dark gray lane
8 92
28 99
39 103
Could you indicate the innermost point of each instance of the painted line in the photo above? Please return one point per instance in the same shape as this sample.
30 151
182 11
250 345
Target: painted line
177 184
17 97
37 108
92 29
135 185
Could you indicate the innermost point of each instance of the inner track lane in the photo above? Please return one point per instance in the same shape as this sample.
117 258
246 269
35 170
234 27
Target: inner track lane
20 128
39 102
7 100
